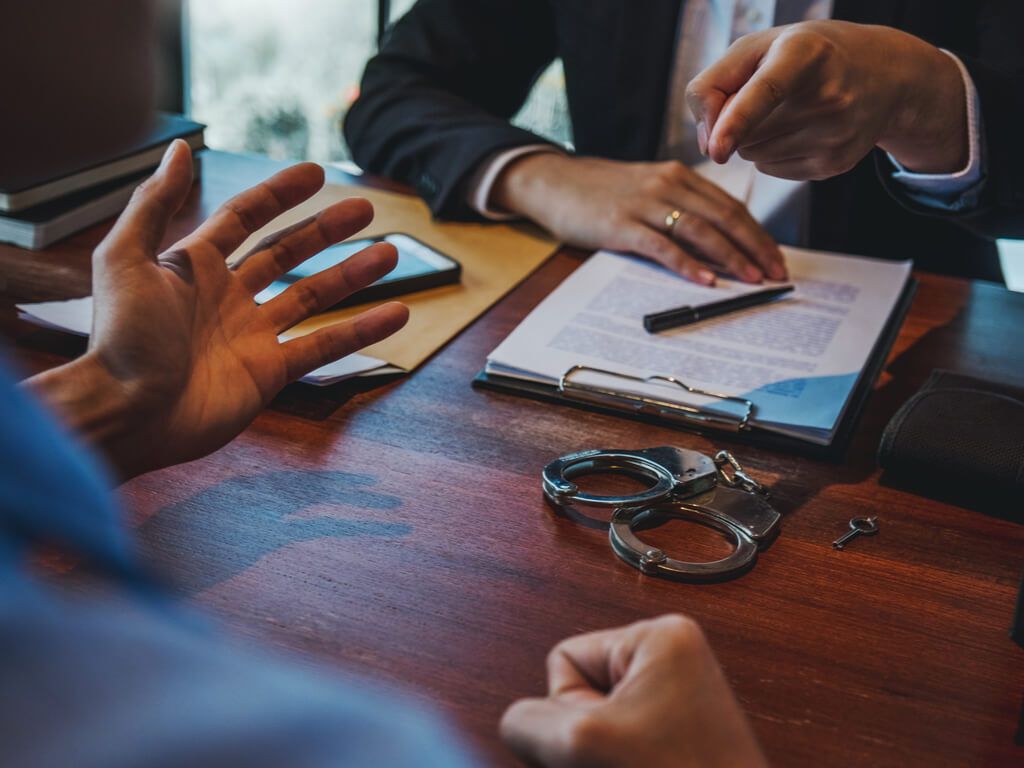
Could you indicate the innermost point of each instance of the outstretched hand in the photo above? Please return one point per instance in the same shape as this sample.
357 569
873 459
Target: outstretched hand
181 358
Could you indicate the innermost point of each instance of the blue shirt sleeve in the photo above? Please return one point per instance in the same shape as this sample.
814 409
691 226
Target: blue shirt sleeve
116 678
958 191
52 490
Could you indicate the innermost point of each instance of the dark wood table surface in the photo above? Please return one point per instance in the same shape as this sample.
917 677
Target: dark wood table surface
400 531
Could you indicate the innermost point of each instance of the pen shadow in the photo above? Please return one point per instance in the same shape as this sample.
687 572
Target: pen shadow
221 531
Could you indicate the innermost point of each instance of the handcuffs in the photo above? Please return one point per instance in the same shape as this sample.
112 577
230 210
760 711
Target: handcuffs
687 485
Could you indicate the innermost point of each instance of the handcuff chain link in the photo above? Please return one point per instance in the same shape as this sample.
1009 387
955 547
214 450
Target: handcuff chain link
736 476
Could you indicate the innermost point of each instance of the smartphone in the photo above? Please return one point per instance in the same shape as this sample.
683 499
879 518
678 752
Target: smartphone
419 267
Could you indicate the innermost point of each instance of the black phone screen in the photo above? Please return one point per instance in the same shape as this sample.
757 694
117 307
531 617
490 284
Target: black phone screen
419 267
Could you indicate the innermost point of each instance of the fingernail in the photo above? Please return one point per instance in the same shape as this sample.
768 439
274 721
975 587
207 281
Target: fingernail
753 275
702 137
167 153
779 266
725 150
773 269
707 277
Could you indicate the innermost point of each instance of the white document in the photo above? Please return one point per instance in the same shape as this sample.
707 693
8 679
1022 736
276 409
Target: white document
75 316
797 359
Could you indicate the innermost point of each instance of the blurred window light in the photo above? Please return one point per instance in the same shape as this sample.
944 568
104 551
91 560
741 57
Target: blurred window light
276 77
1011 253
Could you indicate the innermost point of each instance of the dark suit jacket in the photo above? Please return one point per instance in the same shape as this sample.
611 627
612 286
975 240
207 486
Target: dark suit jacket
436 101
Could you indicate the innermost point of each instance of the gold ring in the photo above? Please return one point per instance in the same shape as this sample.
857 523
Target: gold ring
671 219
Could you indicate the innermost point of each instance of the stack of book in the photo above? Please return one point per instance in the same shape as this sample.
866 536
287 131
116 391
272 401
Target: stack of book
37 212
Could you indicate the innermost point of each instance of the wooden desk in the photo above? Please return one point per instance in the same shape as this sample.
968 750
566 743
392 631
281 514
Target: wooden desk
401 532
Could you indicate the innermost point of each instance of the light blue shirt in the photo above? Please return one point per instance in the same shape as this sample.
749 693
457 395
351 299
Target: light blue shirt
122 677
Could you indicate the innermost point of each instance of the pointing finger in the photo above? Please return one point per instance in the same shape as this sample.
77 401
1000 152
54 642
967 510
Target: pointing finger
776 78
708 93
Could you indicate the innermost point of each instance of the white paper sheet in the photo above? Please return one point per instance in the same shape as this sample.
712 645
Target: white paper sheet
75 316
798 359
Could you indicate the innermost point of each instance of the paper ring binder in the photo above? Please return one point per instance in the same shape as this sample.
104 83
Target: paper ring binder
569 388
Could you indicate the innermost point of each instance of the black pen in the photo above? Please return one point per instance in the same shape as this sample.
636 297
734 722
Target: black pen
673 318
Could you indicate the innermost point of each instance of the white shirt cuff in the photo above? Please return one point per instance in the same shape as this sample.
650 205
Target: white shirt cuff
947 190
479 190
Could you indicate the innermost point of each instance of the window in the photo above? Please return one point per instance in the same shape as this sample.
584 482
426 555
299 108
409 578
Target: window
275 77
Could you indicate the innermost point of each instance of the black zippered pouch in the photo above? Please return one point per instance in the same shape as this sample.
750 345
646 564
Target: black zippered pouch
959 435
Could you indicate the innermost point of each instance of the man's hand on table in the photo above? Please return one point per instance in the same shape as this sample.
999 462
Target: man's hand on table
810 100
651 693
594 203
181 358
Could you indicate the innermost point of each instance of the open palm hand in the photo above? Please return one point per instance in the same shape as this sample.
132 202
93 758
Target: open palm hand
179 336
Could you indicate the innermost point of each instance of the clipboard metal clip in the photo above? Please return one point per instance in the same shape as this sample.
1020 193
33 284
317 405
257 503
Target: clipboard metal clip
570 387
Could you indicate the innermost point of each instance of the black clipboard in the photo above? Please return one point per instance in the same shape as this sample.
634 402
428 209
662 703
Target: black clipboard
753 435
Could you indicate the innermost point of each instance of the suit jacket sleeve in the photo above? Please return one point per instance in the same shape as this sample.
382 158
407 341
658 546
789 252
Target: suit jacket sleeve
996 65
436 101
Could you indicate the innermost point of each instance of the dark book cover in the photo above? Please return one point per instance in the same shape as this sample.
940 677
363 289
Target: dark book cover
52 209
166 128
44 224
